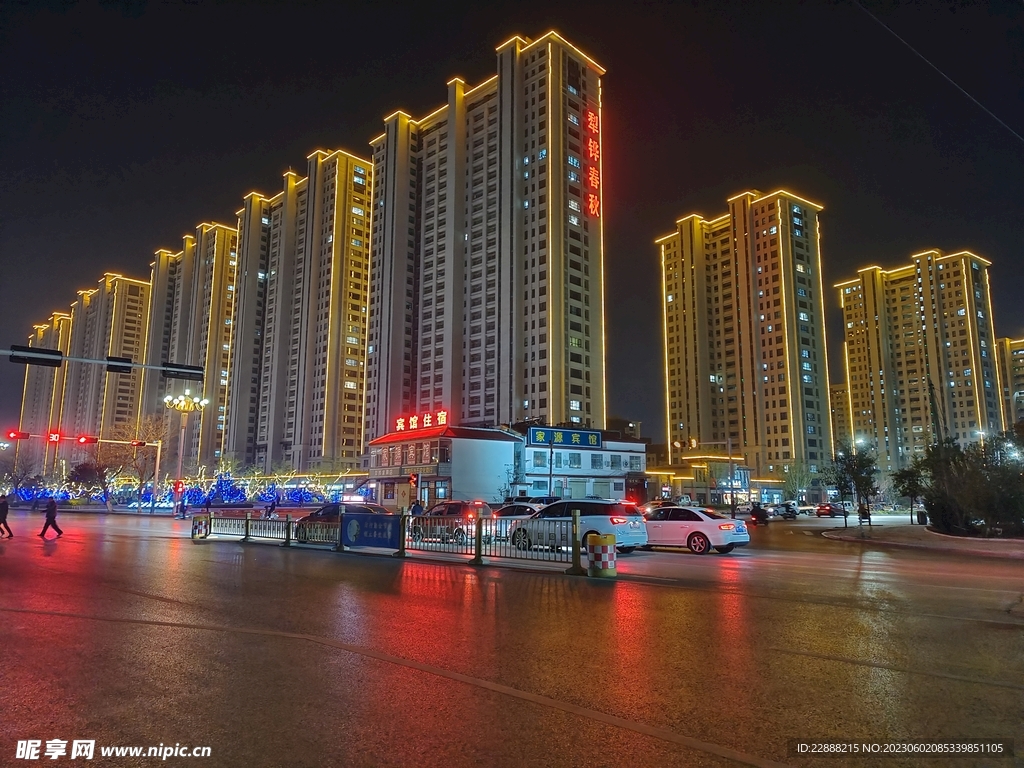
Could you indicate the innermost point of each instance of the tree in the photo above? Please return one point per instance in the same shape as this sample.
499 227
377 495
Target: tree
862 469
795 477
139 462
837 475
910 482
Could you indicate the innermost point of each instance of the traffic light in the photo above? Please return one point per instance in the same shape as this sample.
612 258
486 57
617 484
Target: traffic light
50 358
53 437
414 480
693 442
16 435
139 443
85 439
179 487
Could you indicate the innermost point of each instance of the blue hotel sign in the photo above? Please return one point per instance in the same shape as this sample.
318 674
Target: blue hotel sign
570 438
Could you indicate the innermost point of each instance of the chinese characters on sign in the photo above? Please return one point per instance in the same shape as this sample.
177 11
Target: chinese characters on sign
29 749
568 437
593 177
421 421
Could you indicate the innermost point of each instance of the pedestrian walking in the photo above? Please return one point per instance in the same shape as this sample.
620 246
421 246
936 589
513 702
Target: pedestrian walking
4 508
416 509
207 505
51 519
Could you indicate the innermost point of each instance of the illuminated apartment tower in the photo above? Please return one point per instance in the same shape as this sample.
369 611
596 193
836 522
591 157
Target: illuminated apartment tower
486 298
42 406
745 354
192 314
1011 374
300 342
840 406
110 320
920 355
164 278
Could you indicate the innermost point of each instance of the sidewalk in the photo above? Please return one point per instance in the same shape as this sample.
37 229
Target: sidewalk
888 532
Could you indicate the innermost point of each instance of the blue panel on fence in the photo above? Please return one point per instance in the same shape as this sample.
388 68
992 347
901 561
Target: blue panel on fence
364 530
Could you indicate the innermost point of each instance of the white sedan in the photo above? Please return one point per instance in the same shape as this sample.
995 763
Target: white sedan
698 529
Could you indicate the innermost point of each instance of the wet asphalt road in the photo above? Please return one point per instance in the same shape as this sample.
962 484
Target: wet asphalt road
126 632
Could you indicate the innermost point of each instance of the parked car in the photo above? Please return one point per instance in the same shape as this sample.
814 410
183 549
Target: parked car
308 528
830 510
552 525
501 522
656 504
449 521
698 529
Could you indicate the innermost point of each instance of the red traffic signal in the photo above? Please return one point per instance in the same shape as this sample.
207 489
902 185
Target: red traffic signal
139 443
16 435
414 480
83 439
179 487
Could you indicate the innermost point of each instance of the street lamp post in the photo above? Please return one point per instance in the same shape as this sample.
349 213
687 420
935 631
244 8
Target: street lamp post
184 404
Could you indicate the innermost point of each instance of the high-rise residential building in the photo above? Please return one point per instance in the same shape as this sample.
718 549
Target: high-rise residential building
745 350
1011 374
42 406
486 295
109 320
164 279
920 355
299 344
840 405
191 318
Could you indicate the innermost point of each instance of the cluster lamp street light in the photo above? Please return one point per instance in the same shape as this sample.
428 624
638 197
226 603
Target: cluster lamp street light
184 404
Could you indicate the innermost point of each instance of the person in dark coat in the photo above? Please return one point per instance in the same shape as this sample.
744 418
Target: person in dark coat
51 519
4 507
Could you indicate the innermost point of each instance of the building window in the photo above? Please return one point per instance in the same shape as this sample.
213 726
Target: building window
597 461
540 459
575 405
575 461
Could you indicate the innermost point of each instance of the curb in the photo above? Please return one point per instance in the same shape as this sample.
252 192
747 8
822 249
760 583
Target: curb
910 545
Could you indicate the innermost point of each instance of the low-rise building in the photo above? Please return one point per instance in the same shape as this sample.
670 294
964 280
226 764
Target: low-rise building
448 462
576 463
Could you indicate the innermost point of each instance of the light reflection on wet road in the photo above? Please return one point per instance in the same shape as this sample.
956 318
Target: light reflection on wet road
274 656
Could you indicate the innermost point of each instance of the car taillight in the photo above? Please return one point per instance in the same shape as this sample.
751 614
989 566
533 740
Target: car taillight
618 520
726 527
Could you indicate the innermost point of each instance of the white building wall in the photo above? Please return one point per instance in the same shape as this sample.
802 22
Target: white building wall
479 468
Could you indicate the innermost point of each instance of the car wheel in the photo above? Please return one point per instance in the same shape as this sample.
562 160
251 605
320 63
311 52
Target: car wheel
698 543
725 550
417 533
625 550
521 539
460 536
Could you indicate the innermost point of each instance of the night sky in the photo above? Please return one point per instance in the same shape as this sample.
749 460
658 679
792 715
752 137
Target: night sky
122 126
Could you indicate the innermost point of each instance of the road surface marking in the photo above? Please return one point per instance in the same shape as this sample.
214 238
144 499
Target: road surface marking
647 730
905 670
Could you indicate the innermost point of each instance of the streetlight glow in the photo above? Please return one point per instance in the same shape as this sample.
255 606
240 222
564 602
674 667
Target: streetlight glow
185 404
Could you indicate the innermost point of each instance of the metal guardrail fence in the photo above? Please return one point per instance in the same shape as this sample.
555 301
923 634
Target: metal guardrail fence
531 539
427 533
518 539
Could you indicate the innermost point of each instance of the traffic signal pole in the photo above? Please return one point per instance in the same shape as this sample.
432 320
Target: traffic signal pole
53 358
